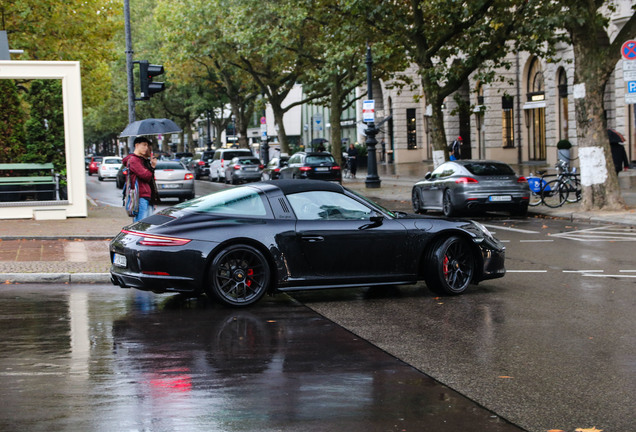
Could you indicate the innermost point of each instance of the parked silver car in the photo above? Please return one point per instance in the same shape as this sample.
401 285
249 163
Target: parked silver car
471 185
243 169
174 180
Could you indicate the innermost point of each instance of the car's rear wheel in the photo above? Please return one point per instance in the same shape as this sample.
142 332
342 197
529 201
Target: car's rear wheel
416 200
239 275
450 266
447 203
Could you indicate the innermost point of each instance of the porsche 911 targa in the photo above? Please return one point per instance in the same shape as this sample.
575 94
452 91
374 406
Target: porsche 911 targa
288 235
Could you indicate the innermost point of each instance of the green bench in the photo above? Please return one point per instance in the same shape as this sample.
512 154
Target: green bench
27 182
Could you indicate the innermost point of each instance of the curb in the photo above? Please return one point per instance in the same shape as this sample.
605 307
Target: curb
71 278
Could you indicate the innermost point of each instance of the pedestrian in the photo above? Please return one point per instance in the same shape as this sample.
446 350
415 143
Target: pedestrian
456 149
321 147
383 150
141 168
353 160
619 155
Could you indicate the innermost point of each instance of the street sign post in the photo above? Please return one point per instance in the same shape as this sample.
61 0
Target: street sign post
628 51
368 111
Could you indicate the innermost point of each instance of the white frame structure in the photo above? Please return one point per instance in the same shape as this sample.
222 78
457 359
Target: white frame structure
75 205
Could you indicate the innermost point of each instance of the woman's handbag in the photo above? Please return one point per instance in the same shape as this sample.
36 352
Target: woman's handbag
131 196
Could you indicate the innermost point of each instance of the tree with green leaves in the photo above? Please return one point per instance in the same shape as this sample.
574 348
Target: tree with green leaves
449 41
595 57
45 141
71 30
12 118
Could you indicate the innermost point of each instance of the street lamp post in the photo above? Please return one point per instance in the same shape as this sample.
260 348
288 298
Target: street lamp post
372 181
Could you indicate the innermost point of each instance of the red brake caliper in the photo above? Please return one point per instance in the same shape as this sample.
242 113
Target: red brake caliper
445 266
250 272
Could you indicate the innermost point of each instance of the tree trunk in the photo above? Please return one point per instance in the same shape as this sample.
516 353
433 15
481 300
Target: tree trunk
598 176
436 124
279 114
335 113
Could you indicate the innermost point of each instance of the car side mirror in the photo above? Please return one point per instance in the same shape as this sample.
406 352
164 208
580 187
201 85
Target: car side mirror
428 176
376 217
284 164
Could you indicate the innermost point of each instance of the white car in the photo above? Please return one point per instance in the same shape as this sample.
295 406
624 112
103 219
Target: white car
223 157
109 167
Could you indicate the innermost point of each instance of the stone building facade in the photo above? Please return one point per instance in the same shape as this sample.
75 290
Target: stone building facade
519 119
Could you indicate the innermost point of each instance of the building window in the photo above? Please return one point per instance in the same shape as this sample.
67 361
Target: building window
563 105
411 129
507 122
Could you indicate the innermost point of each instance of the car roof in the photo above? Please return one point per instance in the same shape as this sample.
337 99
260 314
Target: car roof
295 186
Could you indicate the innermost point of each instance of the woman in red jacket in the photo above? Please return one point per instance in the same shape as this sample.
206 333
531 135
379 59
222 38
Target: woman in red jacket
141 168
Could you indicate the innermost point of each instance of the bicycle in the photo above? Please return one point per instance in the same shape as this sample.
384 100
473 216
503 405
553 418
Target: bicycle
571 179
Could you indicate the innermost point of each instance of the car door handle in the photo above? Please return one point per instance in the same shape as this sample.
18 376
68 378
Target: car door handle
313 239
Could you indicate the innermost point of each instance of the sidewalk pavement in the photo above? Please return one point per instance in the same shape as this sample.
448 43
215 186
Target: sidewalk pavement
75 250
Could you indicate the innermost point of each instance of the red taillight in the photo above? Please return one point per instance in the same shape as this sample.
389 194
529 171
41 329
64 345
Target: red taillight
465 180
188 176
237 167
335 168
305 169
168 170
261 167
222 163
157 240
201 162
522 180
156 273
276 169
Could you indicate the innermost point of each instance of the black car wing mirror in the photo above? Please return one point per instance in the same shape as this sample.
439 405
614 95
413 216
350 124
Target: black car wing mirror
428 176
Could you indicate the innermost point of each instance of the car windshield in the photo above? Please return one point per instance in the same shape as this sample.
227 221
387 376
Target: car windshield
241 201
248 161
320 159
489 168
169 165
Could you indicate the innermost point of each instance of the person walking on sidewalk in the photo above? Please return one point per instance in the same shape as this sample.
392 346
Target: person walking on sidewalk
619 155
456 149
353 159
141 168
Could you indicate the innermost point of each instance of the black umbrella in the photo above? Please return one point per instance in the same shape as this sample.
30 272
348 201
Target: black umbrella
615 136
151 126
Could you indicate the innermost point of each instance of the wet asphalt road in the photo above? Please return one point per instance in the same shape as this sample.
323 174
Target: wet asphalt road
100 358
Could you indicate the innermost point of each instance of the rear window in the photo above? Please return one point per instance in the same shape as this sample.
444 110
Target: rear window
489 169
248 161
229 155
169 165
112 161
241 201
320 159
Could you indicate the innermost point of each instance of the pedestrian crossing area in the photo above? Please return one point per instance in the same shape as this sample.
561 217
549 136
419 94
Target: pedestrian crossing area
611 233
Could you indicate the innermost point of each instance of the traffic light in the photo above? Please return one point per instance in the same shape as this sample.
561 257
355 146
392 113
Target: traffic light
147 72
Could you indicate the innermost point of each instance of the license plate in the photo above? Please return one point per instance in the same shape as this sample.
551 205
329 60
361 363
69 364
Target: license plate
251 169
119 260
499 198
322 169
170 186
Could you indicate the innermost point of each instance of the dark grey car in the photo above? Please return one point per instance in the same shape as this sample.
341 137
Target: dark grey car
243 169
472 185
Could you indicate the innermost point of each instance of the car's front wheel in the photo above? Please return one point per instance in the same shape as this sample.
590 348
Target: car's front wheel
450 266
239 275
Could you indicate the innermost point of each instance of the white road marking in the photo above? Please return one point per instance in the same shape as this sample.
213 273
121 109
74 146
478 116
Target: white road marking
526 271
535 241
603 233
583 271
609 275
496 227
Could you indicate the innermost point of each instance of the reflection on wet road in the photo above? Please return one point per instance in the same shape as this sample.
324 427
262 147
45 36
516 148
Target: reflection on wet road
98 358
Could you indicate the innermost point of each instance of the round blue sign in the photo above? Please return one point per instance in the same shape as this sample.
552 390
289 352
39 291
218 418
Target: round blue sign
628 50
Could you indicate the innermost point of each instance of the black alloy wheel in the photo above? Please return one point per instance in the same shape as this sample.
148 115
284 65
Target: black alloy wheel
450 266
447 205
416 200
239 275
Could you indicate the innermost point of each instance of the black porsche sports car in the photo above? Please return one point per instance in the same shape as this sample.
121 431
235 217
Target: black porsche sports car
240 243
